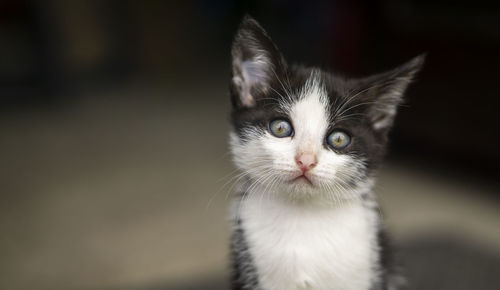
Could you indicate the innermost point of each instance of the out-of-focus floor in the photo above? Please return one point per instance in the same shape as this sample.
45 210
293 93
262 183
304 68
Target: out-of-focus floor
125 189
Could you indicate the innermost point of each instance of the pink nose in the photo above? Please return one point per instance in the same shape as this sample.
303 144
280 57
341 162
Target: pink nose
306 161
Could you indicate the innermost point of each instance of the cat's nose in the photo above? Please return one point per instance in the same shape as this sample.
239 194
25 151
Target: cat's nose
306 161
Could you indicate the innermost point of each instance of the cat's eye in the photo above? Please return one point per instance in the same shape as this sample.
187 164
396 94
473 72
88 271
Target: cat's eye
281 128
338 140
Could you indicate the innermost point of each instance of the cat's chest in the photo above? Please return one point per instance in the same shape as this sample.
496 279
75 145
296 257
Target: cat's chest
295 247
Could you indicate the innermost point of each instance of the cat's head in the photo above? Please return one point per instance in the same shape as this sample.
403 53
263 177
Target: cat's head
305 131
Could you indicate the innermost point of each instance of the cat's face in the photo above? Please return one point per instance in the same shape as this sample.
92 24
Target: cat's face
304 131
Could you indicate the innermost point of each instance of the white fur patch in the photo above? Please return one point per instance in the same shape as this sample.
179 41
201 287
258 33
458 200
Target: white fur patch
310 118
298 246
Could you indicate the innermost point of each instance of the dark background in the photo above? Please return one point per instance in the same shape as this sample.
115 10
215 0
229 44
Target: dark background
88 88
53 49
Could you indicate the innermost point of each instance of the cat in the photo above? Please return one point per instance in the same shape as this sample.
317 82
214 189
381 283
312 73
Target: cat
308 144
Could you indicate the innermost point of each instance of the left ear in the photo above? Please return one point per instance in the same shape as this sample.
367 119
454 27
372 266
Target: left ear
256 63
384 92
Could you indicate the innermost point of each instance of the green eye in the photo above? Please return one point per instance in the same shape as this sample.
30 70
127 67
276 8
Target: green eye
338 140
281 128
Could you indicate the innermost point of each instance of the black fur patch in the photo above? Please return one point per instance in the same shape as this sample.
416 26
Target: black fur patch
244 275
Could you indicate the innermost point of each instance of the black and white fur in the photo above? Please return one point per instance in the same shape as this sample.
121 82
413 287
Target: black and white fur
326 234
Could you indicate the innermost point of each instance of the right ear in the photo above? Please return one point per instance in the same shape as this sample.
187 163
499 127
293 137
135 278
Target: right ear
256 62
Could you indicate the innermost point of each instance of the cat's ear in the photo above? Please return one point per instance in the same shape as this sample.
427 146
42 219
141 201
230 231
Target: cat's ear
384 92
256 62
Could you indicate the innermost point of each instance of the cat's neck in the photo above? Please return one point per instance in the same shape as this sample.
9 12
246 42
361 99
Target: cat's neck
306 244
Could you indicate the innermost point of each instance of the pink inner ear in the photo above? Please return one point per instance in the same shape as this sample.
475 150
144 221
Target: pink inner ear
383 117
255 70
254 73
245 97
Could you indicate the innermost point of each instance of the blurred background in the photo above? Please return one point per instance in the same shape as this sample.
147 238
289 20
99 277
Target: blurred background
113 135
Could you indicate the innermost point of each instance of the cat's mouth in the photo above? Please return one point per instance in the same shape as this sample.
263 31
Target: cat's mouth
302 179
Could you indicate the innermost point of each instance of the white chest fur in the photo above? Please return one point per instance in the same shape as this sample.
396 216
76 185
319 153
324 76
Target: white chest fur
296 246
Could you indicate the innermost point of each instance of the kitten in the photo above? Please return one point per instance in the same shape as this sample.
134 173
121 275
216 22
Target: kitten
308 143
